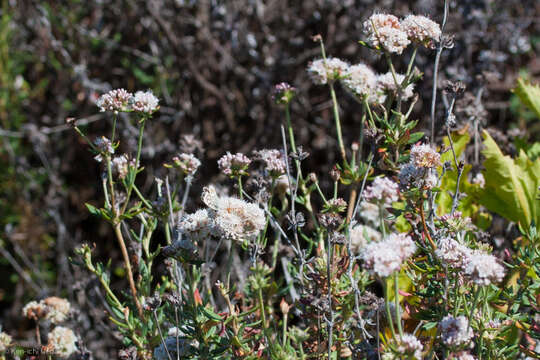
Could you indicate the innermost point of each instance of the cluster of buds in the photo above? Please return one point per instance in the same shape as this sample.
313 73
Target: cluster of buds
234 165
283 93
120 100
186 163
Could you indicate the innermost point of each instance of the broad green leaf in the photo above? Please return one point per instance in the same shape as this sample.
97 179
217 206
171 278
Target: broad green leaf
529 94
511 188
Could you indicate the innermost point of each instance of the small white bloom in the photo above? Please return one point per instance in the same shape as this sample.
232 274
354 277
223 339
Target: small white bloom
452 252
322 71
361 235
421 30
385 257
35 310
274 161
233 164
145 101
115 100
369 212
483 268
57 309
198 226
383 191
479 180
187 163
455 331
387 84
362 81
409 346
385 31
424 155
62 341
5 342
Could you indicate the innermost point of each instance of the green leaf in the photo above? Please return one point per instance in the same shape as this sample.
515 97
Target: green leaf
529 94
93 210
511 187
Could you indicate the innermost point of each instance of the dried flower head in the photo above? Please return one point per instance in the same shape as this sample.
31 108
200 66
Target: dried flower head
326 70
186 163
283 93
234 219
5 342
234 165
384 257
455 331
387 84
384 31
115 100
145 101
382 191
198 226
483 268
362 82
424 155
421 30
35 310
274 161
57 309
62 341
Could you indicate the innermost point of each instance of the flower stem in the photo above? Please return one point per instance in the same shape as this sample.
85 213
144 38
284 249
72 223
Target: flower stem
396 298
338 123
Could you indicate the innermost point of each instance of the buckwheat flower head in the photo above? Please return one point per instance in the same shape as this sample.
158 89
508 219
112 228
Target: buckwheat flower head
362 81
483 268
186 163
198 226
104 146
383 30
455 331
370 213
424 155
115 100
322 71
387 84
451 252
35 310
62 341
145 101
5 341
120 165
361 235
462 355
383 191
57 309
234 219
409 346
422 30
283 93
384 257
234 164
274 161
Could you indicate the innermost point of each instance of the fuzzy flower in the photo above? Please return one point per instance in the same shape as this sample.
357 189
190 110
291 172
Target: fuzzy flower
409 346
421 30
387 84
362 81
452 252
323 71
120 165
234 219
5 342
186 163
104 146
145 101
197 226
383 30
62 341
370 213
424 155
35 310
483 268
115 100
384 257
383 191
283 93
57 309
273 160
361 235
455 331
234 165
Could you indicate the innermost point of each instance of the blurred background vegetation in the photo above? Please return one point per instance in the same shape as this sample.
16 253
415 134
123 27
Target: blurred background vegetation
213 64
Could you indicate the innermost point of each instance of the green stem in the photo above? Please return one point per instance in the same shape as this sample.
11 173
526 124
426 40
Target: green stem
338 123
396 298
388 312
137 162
240 190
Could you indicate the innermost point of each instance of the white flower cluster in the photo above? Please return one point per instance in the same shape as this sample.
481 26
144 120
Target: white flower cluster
233 164
383 191
273 160
384 257
322 71
362 81
483 268
53 308
455 331
452 252
121 100
409 346
62 341
5 341
104 146
233 218
198 226
387 32
115 100
361 235
462 355
420 171
187 163
421 30
387 84
120 165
